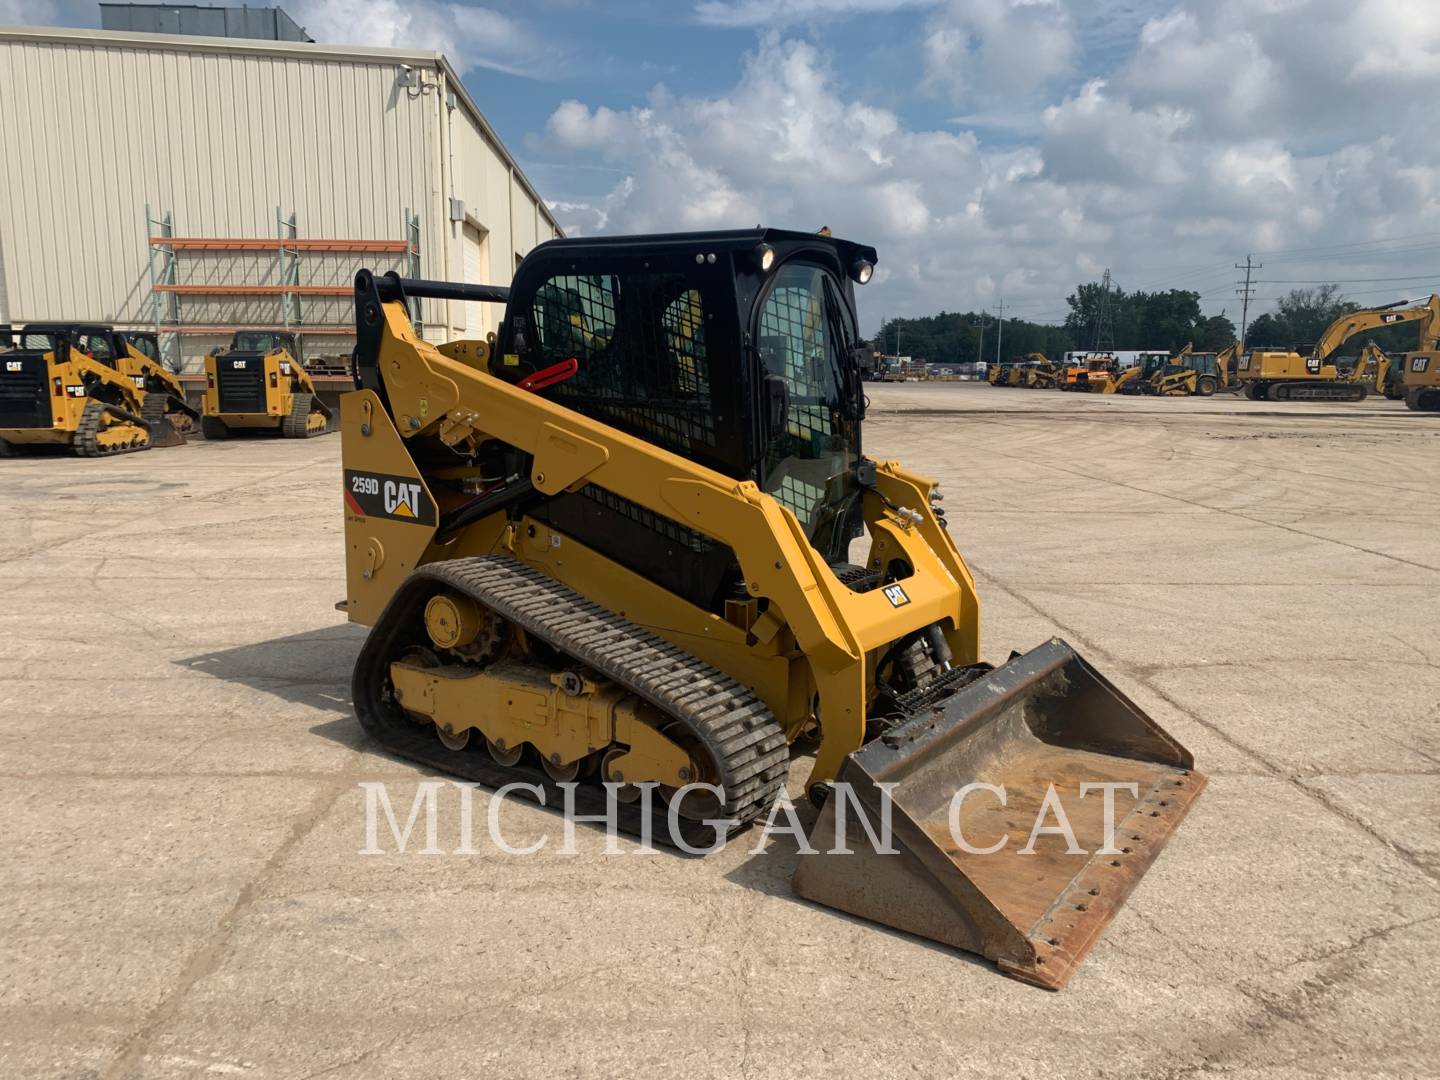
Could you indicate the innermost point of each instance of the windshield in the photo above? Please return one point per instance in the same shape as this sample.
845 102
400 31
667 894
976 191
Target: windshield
806 335
28 340
254 341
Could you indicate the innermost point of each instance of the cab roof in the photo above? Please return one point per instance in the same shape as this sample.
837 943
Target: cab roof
729 240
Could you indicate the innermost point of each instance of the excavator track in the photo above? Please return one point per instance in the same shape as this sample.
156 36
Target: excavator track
1425 399
744 742
86 442
297 424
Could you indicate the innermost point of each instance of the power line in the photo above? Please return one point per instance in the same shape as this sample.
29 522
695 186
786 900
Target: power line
1336 281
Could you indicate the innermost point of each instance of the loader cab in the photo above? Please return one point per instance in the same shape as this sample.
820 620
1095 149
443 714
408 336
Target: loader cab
145 342
263 342
96 340
738 350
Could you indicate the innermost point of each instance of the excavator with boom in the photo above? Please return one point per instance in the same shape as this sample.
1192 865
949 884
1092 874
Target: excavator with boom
616 550
1275 375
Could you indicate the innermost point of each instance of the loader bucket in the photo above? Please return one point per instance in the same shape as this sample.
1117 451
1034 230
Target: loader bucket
1033 907
163 433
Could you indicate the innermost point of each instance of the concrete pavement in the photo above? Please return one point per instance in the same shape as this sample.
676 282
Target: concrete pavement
184 892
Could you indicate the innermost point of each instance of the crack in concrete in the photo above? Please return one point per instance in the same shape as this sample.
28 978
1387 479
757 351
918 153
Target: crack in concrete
206 959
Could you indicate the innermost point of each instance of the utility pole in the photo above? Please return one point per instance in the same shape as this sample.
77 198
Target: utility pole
982 322
999 330
1244 292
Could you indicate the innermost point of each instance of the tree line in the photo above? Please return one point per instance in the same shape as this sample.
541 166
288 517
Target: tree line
1136 320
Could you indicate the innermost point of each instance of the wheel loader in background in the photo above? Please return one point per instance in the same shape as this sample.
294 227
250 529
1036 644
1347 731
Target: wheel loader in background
1279 375
1078 376
135 355
259 385
53 394
619 553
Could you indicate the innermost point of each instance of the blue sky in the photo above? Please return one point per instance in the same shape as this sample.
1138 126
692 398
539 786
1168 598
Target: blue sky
991 150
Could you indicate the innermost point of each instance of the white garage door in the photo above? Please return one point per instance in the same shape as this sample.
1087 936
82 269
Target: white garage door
475 274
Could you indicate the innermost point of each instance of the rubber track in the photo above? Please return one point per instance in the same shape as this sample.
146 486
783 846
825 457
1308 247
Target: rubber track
734 725
85 442
297 424
212 427
158 404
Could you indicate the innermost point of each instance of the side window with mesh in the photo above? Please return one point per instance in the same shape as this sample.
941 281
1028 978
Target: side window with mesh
575 316
639 339
97 346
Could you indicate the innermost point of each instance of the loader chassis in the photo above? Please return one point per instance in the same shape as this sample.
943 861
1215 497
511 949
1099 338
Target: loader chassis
1420 381
159 396
613 544
53 394
259 386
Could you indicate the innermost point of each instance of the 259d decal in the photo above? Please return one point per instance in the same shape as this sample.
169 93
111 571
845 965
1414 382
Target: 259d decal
399 498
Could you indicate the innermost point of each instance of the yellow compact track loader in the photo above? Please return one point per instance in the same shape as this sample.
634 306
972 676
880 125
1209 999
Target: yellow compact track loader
53 394
623 552
136 357
259 385
1041 373
1286 375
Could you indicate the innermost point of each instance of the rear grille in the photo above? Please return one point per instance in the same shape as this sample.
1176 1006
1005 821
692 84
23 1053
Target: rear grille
24 396
241 391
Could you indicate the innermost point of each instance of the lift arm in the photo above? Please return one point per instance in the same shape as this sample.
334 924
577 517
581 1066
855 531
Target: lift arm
1427 313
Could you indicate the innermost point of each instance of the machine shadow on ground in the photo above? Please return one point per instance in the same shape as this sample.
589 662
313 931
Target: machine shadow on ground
310 669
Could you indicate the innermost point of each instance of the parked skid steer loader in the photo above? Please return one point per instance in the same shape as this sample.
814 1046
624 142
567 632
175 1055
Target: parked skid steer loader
259 385
160 392
621 555
53 394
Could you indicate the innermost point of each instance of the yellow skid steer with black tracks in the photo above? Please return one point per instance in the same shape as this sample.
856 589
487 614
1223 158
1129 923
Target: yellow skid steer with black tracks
55 395
259 385
618 549
159 390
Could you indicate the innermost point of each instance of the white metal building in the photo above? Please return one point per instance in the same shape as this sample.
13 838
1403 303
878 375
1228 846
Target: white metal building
203 184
